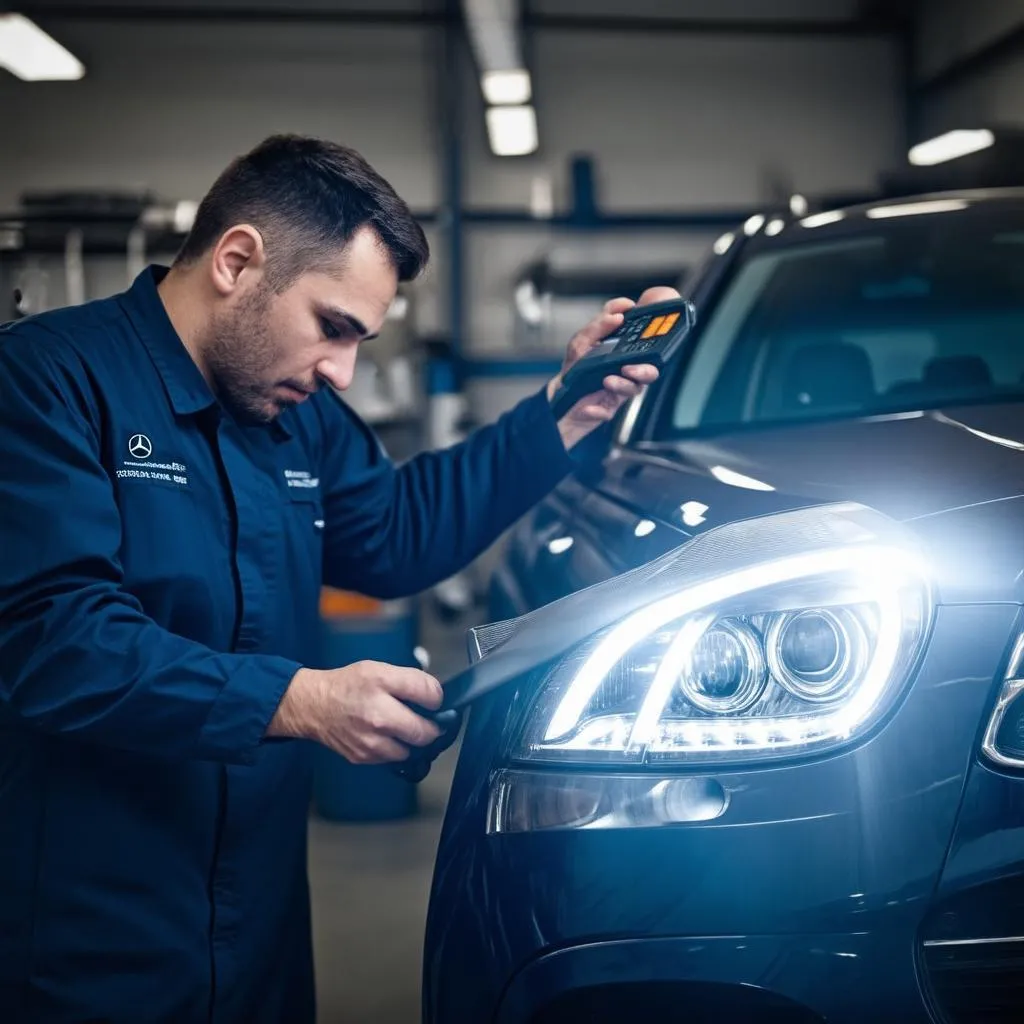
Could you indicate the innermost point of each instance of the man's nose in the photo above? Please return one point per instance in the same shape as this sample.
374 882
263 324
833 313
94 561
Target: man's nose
337 370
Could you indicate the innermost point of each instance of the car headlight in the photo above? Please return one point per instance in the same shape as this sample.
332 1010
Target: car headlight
770 638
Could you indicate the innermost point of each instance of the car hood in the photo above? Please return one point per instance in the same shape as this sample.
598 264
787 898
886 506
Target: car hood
954 475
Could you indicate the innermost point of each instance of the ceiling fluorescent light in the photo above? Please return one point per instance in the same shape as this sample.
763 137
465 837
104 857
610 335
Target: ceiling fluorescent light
506 88
512 131
950 146
30 54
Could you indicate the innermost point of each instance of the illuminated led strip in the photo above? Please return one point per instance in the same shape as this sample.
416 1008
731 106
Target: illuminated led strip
874 563
672 665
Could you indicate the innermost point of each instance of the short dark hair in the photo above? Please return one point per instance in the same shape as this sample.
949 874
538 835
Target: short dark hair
307 197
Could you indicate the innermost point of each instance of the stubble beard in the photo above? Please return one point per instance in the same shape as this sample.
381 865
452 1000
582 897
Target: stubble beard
240 353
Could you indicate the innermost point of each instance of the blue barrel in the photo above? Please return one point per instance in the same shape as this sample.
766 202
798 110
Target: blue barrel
343 791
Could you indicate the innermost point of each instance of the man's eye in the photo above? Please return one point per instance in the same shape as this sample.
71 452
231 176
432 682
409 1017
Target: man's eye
330 330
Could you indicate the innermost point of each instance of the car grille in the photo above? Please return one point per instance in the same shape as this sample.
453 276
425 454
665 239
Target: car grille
973 955
978 983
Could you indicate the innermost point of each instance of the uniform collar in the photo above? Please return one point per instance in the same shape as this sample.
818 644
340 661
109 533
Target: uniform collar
183 381
185 385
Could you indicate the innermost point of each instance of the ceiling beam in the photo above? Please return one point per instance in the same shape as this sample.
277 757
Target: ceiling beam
227 13
783 27
185 12
895 15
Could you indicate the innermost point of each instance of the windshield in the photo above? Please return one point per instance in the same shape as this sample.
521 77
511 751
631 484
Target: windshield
915 312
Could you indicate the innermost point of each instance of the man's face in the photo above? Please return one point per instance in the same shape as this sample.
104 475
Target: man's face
269 351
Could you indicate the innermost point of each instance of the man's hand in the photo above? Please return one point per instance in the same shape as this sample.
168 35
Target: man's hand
601 406
358 712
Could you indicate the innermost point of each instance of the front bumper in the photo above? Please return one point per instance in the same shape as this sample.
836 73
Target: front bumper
812 886
796 979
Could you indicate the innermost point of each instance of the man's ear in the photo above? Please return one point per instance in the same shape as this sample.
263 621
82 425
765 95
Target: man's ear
237 256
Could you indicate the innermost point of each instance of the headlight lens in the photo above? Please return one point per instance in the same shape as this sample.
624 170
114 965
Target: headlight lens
818 654
781 656
726 671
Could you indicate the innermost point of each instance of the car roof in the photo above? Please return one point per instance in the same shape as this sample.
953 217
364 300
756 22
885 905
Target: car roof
975 197
852 219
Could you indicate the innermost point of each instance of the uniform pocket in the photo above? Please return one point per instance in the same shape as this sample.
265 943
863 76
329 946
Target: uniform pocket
307 507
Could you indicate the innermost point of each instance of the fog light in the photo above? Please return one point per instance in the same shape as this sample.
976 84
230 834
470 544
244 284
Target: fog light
523 801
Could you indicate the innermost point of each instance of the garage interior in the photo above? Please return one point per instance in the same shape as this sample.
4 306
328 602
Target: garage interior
557 152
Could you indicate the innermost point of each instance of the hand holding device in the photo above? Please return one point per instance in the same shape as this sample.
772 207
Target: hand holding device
651 334
364 711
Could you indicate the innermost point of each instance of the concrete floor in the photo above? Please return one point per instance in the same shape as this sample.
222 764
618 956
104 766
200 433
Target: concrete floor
369 888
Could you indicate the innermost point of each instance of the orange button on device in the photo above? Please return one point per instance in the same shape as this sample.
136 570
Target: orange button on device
670 322
652 328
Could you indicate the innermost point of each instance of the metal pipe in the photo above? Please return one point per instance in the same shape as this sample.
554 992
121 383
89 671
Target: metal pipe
451 121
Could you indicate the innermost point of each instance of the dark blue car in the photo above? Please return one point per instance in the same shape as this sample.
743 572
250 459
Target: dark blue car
758 749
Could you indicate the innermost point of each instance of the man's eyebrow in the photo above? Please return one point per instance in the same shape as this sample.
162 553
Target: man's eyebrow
357 325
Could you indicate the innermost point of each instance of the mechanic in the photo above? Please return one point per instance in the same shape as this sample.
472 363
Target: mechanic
177 483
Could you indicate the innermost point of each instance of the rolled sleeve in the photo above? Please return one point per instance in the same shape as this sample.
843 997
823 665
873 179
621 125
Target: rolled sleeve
240 714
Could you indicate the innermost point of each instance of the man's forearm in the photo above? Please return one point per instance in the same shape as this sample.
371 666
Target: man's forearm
402 530
570 431
297 714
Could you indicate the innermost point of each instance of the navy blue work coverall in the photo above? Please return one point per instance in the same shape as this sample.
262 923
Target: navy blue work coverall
159 587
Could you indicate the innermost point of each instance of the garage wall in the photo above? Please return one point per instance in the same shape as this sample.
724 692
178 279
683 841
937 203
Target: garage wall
952 30
678 122
949 30
993 97
165 105
681 120
739 118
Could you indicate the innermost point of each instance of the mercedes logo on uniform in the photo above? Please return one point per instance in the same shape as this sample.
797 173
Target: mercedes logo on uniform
140 446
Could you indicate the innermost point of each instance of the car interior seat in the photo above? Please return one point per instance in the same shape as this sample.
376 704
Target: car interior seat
957 373
832 375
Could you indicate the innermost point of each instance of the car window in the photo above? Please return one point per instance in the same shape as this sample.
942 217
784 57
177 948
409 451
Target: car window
901 317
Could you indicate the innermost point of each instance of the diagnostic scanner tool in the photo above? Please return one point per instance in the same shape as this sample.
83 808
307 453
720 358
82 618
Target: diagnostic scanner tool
417 766
651 335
